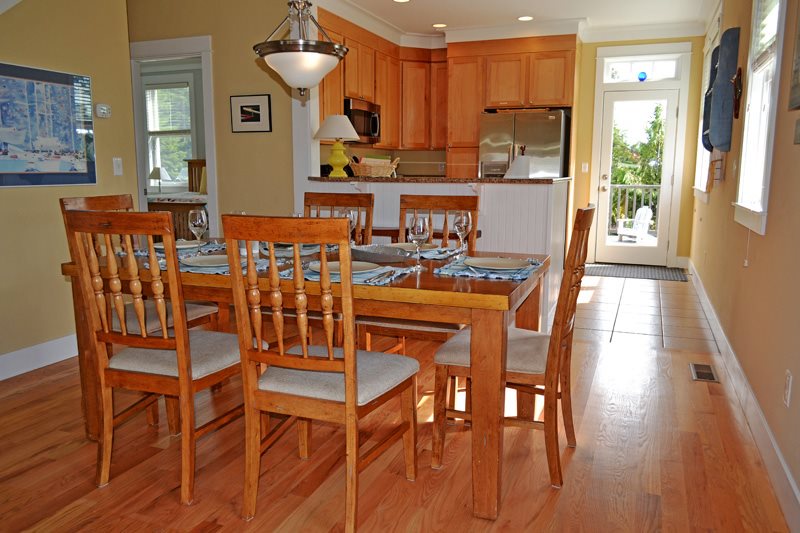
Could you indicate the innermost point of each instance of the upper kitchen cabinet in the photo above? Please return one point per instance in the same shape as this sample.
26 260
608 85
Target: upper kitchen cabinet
506 80
387 95
438 105
465 101
550 78
415 130
331 95
359 71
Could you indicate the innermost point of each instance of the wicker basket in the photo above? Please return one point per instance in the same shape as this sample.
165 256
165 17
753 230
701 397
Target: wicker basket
374 170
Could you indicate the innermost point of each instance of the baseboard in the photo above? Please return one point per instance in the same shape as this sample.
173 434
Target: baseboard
783 483
682 262
33 357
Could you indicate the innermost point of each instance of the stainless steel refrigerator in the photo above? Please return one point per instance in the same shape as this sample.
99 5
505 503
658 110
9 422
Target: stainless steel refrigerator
543 136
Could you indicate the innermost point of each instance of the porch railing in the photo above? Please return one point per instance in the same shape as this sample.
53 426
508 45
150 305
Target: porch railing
626 199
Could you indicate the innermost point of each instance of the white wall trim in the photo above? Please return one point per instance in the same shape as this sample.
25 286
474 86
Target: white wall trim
682 261
170 48
650 31
33 357
512 31
783 483
5 5
362 17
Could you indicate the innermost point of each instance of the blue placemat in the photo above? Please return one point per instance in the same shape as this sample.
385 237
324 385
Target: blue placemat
458 268
382 276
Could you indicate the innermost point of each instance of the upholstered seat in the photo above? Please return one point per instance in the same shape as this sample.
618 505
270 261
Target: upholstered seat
527 351
376 372
212 351
152 323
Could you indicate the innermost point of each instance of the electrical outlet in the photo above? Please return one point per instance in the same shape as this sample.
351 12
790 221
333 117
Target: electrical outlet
441 167
584 167
787 389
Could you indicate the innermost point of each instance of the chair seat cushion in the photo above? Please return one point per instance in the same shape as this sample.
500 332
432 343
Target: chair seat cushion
411 325
211 351
377 373
526 351
151 323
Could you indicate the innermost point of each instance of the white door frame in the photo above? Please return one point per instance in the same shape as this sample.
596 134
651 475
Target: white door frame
174 49
682 51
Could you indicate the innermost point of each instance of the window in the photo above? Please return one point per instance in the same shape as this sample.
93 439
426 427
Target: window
169 130
759 120
626 70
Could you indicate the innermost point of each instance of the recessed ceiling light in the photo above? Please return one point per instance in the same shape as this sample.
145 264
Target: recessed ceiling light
526 18
401 1
440 25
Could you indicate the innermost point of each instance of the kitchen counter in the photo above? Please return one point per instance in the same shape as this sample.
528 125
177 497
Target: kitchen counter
437 179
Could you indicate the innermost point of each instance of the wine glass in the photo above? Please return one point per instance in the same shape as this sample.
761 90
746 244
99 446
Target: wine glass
462 224
198 222
352 218
418 233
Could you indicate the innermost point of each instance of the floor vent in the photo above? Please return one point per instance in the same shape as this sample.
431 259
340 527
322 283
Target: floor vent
703 372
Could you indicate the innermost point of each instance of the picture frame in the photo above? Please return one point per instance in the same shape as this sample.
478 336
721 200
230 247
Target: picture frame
251 113
794 83
46 128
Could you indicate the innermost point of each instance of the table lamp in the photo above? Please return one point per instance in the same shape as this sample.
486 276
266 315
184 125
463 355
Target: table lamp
337 128
158 174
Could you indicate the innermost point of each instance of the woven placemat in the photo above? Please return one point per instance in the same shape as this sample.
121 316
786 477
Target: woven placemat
636 271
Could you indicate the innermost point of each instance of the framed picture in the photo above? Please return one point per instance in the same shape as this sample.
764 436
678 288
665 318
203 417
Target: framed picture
251 113
46 130
794 84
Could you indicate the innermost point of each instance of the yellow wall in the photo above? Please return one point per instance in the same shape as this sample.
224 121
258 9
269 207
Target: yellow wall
584 124
254 169
87 37
758 305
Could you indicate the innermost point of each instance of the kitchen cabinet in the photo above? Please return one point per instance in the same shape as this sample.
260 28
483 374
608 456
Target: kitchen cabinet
506 79
359 71
387 95
331 89
415 131
551 78
465 101
462 162
438 105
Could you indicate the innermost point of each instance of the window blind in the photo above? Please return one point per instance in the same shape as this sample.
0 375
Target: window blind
766 29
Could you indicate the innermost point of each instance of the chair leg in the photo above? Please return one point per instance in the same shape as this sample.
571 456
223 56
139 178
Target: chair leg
363 337
566 408
439 415
338 333
173 414
408 400
188 442
452 391
152 414
551 437
106 440
468 400
252 461
304 437
351 474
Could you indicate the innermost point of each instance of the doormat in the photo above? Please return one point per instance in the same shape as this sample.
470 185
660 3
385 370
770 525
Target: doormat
636 271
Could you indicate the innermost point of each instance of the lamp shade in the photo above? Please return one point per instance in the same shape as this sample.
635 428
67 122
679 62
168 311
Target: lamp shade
337 127
159 174
301 69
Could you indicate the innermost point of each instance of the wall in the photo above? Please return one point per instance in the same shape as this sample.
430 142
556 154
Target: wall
254 170
583 126
757 305
85 37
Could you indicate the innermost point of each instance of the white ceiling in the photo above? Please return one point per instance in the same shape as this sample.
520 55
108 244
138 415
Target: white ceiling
416 17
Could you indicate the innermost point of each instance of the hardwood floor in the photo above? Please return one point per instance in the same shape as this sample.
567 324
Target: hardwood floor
656 451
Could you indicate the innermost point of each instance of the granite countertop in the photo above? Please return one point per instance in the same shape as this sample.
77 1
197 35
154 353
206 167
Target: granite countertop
438 179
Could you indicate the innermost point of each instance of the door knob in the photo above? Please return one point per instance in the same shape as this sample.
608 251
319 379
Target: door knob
604 177
604 188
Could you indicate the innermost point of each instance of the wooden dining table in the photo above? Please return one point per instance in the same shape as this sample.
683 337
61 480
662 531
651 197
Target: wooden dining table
488 305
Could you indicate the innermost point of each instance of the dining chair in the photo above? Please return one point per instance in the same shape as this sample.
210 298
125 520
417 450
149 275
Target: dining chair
322 382
537 363
174 362
440 209
328 204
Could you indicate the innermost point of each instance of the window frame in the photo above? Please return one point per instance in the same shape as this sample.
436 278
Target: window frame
744 214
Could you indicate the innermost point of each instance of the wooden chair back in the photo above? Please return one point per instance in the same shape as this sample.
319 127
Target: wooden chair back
110 279
438 208
111 202
325 204
560 349
195 173
251 293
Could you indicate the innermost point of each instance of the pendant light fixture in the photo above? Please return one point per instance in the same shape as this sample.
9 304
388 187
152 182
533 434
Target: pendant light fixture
302 63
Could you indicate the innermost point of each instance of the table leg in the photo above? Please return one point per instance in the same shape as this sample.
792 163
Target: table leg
488 362
529 317
90 393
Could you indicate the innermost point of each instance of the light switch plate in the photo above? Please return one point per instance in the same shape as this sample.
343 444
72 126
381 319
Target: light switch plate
584 167
117 161
102 111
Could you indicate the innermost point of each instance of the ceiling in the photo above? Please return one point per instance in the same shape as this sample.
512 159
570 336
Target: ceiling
418 16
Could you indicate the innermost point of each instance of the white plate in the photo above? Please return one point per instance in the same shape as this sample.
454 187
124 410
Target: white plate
496 263
180 244
409 246
206 261
357 266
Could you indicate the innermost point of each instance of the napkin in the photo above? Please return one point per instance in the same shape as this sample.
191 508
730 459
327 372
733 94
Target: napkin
458 268
439 253
359 278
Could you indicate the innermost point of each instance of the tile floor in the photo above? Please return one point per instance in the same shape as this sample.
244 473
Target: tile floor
649 313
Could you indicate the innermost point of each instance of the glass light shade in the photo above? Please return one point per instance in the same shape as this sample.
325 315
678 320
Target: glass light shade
301 70
337 127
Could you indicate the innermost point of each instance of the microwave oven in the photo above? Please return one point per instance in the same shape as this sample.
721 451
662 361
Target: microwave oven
366 119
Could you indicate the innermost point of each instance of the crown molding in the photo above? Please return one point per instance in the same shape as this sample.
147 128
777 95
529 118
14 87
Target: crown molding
363 18
5 5
417 40
589 34
512 31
